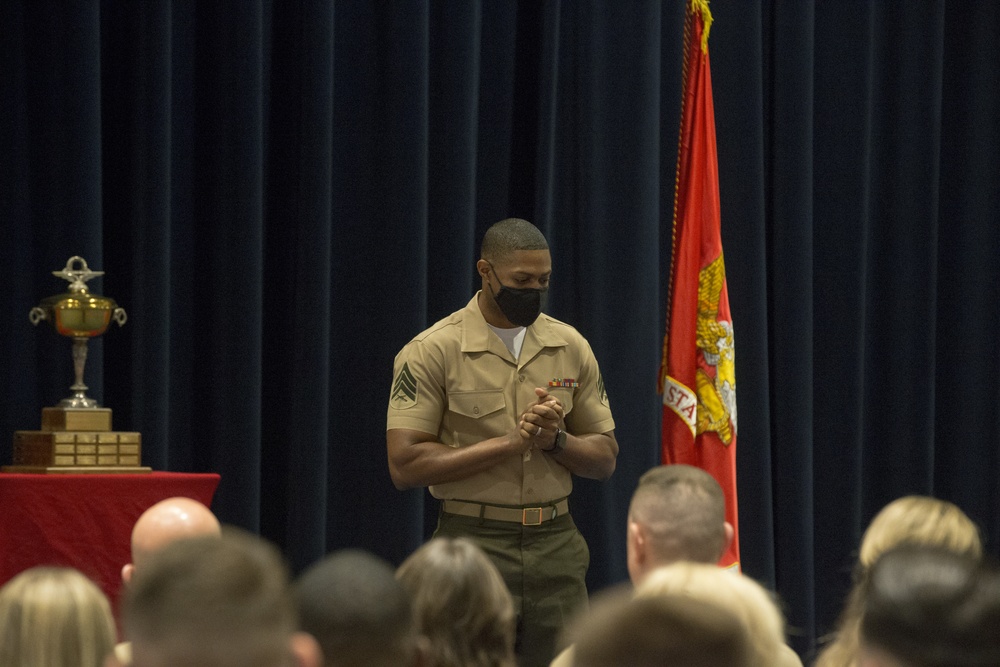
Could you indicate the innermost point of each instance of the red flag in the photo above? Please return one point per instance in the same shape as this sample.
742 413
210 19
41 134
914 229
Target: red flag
697 375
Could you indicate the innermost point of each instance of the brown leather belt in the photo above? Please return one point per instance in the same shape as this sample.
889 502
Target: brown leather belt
526 516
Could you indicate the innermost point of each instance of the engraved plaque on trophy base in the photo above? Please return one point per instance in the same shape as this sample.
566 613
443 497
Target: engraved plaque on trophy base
77 440
77 452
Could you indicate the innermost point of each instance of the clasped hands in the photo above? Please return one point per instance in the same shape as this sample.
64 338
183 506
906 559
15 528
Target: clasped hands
539 423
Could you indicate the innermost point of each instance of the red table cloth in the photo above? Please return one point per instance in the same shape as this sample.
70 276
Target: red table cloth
83 521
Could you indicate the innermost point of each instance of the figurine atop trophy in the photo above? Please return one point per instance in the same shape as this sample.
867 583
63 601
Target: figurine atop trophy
76 435
81 316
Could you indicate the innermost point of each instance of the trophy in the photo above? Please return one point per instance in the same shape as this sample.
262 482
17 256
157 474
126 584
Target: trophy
76 435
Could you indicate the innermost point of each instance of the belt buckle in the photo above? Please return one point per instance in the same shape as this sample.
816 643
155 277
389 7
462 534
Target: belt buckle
531 516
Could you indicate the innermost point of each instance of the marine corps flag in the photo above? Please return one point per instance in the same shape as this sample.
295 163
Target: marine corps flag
697 374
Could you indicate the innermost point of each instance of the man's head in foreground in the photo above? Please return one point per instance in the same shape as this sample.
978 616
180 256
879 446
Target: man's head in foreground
211 602
164 522
677 513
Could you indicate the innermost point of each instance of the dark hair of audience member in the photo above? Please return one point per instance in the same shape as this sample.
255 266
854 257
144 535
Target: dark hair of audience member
461 604
909 519
359 613
931 607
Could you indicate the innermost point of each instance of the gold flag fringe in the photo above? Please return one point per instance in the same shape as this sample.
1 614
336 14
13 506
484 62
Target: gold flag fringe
695 8
701 7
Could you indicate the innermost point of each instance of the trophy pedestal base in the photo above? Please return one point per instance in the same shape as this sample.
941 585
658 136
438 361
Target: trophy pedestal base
76 419
76 452
77 470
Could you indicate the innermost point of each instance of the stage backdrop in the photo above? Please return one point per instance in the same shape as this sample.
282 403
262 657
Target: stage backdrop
283 193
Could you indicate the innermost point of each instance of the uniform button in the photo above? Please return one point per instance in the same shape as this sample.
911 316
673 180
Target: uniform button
475 410
520 378
529 491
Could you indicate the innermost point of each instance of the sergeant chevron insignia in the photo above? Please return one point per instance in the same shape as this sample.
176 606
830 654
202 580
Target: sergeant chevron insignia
404 389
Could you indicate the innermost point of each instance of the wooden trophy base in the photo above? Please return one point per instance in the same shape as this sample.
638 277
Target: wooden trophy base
78 470
74 441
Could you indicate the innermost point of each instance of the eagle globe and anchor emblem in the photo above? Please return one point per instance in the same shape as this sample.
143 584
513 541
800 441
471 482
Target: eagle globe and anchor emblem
711 406
716 391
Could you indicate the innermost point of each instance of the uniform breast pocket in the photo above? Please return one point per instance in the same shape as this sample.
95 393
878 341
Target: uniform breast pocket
476 415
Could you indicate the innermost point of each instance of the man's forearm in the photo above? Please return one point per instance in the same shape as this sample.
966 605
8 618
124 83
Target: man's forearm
415 463
592 455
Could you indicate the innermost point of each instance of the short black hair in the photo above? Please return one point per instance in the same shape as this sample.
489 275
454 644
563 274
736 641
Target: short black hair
355 608
931 607
510 235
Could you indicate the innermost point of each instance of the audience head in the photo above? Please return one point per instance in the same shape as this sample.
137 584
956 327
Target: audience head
930 607
667 629
747 600
164 522
54 617
359 613
461 604
678 512
920 520
216 602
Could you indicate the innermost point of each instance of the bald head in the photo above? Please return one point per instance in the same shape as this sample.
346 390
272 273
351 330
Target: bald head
166 521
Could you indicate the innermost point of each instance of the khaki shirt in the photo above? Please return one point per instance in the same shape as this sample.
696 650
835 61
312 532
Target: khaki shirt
459 381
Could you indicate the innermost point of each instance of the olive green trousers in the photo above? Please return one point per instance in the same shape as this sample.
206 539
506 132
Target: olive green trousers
544 567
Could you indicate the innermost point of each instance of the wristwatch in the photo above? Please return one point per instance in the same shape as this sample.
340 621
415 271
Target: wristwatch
559 443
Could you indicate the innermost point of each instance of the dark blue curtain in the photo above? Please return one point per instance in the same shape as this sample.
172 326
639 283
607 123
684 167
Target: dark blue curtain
283 193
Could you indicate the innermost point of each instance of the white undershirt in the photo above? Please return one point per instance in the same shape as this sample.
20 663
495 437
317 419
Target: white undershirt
512 338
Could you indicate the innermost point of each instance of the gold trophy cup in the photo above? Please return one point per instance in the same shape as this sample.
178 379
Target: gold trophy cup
76 435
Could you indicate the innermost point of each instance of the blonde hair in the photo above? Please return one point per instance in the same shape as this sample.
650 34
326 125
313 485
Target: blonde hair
657 630
55 617
747 600
921 520
461 604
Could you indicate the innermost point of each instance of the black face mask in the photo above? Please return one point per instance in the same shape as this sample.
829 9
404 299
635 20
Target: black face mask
521 306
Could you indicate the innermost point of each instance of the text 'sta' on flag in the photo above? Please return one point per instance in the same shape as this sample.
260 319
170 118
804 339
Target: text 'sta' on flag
697 374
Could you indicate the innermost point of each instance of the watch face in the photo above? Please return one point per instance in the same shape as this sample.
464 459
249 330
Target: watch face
560 439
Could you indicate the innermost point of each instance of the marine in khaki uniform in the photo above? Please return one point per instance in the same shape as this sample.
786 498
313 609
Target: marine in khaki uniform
494 408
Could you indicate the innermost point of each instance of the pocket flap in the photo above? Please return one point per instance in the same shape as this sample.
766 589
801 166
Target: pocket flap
476 404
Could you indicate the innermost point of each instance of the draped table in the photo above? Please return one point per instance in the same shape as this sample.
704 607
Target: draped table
83 521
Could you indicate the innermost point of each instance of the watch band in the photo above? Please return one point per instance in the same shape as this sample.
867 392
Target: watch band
559 443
